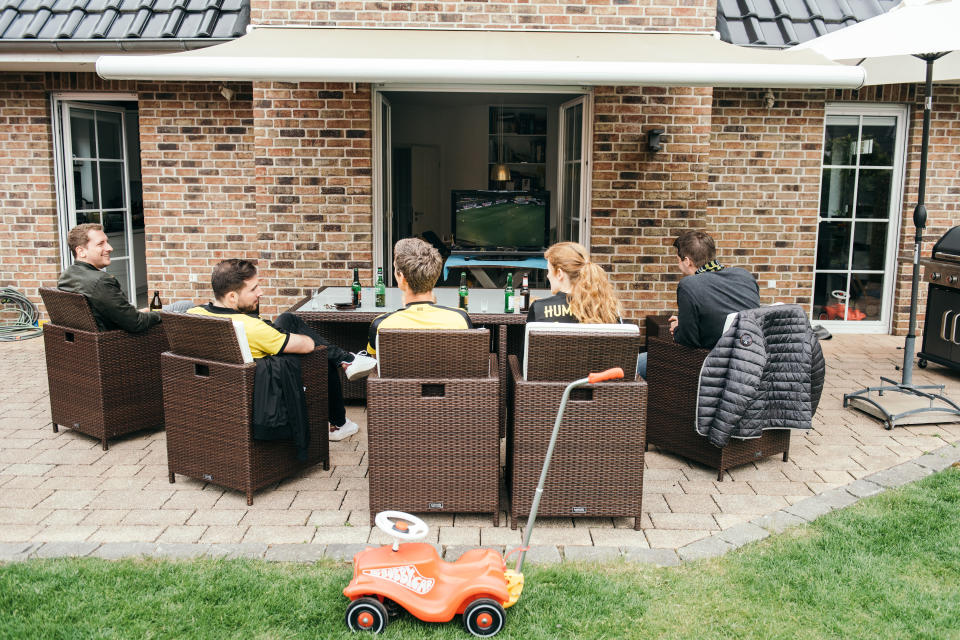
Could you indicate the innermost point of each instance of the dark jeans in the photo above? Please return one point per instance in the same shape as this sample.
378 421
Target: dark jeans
289 323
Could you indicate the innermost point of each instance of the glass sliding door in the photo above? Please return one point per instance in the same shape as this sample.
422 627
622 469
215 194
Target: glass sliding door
860 198
96 182
573 179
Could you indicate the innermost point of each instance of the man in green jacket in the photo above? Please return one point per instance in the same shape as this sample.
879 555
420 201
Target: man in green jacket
91 252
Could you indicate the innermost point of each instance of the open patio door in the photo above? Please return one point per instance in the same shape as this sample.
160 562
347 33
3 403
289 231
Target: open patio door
573 179
384 214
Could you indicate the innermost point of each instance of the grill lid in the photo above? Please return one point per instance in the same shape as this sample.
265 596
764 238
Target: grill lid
948 246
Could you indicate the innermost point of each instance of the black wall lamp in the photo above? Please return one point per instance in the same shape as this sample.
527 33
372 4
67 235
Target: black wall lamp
653 140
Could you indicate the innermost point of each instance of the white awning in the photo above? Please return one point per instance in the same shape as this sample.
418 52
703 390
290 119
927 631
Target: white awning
303 54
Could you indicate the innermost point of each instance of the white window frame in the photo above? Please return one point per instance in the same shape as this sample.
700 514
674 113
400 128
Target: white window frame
381 191
902 113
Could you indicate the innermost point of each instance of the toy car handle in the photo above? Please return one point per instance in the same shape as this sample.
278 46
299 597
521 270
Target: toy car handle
610 374
385 520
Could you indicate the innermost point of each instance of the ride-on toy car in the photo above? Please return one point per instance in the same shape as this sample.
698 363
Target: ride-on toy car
412 576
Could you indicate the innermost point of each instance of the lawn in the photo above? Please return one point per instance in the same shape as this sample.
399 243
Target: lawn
886 568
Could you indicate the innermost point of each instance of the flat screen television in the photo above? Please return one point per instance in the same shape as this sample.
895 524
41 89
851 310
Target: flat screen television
500 220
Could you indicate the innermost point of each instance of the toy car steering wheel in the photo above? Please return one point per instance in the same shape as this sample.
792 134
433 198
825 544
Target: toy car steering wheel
402 526
839 294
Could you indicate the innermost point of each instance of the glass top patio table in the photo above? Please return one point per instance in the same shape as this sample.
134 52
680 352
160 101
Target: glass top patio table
485 306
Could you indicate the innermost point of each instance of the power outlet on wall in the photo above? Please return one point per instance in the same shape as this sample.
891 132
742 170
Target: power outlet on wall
771 284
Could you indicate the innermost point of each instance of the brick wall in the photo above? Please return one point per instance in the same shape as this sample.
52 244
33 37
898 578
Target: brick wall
197 171
313 187
765 179
642 200
593 15
197 152
942 188
29 244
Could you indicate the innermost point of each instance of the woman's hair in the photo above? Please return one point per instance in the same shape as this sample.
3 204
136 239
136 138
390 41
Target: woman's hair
591 296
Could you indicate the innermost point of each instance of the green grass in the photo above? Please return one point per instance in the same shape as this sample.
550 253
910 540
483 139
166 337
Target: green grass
886 568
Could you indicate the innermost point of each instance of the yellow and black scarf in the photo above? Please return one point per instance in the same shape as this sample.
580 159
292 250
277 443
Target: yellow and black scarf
713 265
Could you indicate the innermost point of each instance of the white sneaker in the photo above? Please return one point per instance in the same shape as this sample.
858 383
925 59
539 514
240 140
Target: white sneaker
345 430
361 367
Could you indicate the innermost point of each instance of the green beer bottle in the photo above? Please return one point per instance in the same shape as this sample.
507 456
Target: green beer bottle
464 294
508 295
381 290
356 288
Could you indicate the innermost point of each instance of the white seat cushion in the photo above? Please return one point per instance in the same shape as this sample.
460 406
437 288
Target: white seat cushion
242 340
572 328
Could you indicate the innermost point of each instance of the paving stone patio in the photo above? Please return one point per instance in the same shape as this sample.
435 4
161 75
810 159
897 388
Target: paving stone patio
61 495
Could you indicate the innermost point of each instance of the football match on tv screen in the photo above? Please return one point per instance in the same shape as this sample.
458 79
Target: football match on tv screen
497 219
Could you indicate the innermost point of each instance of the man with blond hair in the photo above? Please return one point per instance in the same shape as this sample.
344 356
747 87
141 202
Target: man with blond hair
111 309
416 268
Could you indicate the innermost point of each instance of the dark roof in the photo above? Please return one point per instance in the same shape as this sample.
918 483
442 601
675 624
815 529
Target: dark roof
107 20
784 23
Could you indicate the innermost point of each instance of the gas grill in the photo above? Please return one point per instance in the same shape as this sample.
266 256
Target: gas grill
941 329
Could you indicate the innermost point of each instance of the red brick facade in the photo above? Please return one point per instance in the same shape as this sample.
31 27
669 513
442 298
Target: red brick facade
29 242
282 173
199 190
592 15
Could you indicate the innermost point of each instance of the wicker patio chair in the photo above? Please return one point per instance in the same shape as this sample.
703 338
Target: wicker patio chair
208 402
102 383
673 373
597 466
433 423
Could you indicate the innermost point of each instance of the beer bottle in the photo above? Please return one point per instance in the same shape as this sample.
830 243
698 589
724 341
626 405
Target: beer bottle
381 289
155 304
464 294
356 288
524 295
508 300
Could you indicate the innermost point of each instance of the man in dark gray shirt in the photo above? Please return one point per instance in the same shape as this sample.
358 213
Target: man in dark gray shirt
91 252
706 294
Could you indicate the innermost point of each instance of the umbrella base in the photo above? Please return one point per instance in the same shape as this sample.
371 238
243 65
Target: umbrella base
897 404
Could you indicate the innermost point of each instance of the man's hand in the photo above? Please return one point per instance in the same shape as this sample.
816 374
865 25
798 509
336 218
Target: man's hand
673 324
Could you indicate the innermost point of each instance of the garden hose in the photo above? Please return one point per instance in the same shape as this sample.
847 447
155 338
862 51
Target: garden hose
26 325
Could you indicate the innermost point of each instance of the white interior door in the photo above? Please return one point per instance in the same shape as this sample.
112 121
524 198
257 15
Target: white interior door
95 183
383 187
425 188
573 179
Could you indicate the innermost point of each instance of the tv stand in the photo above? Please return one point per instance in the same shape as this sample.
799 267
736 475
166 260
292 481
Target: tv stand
477 262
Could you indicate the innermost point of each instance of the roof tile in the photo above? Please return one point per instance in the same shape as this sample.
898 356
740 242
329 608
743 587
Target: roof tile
122 19
783 23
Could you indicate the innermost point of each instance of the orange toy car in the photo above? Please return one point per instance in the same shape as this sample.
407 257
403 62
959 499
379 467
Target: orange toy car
412 576
838 310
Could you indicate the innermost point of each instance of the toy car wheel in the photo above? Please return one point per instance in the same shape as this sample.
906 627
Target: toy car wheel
367 614
484 617
922 363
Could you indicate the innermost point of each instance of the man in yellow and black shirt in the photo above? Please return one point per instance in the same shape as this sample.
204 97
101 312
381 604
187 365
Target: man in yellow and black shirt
236 290
417 266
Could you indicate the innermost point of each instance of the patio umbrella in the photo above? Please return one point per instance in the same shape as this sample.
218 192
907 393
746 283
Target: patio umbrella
913 38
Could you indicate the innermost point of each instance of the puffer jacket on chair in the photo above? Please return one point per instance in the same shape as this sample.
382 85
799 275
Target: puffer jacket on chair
766 372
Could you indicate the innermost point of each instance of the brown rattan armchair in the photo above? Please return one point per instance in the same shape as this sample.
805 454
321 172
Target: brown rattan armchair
433 423
102 383
597 466
673 373
208 402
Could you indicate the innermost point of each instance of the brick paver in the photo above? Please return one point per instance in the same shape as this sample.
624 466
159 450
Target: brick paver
62 495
